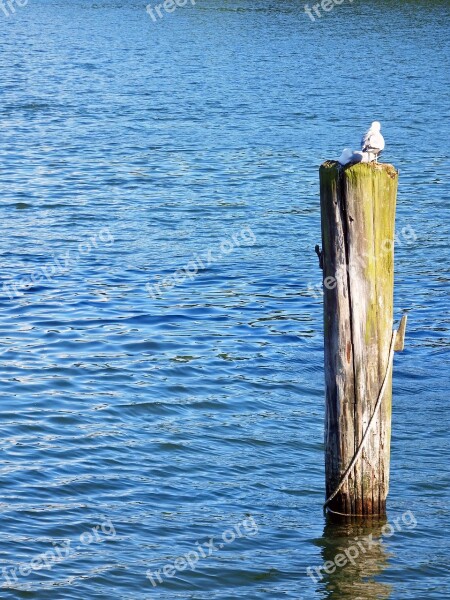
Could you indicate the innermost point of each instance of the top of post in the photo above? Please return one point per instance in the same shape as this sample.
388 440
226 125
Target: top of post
362 168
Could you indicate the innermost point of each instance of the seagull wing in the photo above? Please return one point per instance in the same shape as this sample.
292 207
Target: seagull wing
372 141
365 139
346 156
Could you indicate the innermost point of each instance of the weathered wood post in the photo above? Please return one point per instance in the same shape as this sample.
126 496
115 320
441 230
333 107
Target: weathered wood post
358 221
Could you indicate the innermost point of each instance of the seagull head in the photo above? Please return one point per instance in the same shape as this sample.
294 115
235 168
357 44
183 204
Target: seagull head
376 125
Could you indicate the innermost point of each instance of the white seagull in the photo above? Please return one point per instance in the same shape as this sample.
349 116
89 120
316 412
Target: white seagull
353 156
373 142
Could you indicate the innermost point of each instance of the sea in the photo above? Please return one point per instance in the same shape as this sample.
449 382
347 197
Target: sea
162 383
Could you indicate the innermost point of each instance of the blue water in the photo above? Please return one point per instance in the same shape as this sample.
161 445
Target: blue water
137 424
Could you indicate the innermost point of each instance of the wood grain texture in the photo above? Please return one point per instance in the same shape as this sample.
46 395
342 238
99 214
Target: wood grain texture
358 219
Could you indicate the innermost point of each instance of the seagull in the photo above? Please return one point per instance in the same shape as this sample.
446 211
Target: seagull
353 156
372 141
346 156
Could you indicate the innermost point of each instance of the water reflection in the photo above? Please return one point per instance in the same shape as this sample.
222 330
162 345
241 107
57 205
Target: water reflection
354 555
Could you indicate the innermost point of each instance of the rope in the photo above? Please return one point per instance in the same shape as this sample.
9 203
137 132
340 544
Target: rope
369 426
341 514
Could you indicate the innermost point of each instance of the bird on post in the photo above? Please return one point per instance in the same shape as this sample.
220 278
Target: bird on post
353 156
373 141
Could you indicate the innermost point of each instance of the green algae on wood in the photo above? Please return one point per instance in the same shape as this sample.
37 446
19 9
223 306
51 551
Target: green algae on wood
358 219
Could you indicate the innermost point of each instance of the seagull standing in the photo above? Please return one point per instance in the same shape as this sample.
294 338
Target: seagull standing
372 141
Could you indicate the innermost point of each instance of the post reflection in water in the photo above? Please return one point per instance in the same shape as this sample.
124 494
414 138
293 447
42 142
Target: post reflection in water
353 555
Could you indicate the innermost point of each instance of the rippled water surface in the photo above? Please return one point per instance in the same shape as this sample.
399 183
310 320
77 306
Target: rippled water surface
138 424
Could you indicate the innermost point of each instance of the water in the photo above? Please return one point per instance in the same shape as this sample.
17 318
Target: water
134 427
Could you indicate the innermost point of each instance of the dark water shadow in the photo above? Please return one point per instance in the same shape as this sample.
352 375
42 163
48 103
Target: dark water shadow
353 556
